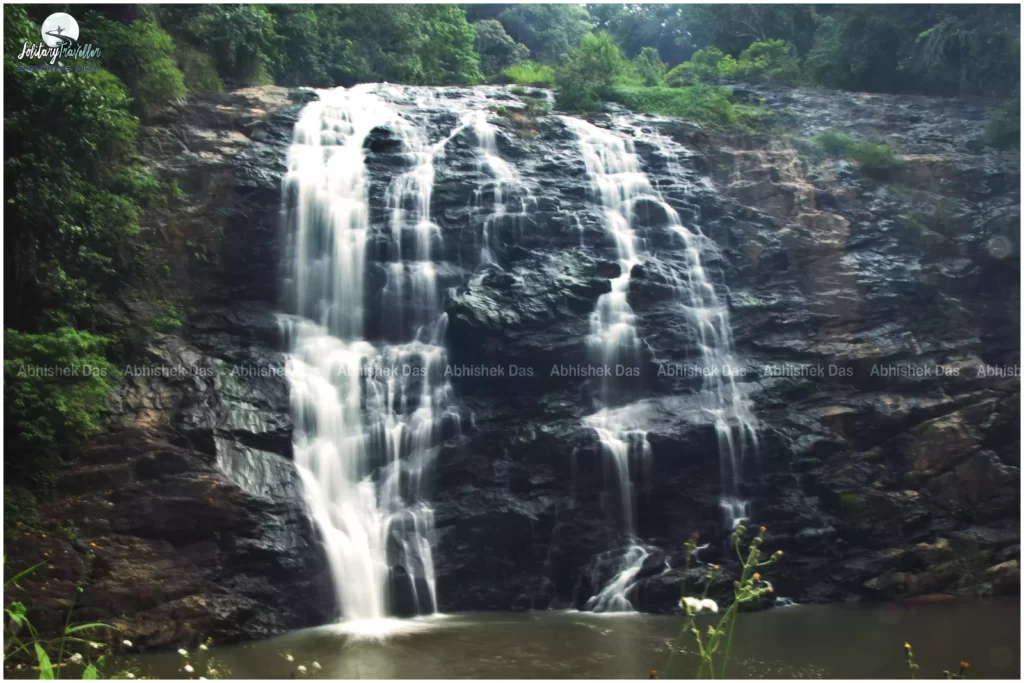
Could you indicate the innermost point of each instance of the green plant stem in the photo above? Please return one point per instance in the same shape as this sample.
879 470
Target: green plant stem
731 626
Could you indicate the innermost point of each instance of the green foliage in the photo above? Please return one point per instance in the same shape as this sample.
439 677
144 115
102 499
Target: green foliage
241 38
141 55
416 44
769 60
304 47
734 27
589 73
662 27
649 67
72 196
707 104
21 512
703 64
530 73
1002 130
871 156
496 48
198 69
937 49
55 384
550 31
25 646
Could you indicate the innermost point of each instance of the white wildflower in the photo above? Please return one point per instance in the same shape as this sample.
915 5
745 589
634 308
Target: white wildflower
96 646
289 658
129 675
76 658
301 669
203 648
697 605
189 669
183 652
212 672
202 678
316 666
126 643
692 604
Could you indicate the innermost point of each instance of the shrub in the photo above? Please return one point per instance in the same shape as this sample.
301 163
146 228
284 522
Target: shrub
55 384
198 69
21 512
767 60
703 64
141 55
1003 128
530 73
871 156
241 38
708 104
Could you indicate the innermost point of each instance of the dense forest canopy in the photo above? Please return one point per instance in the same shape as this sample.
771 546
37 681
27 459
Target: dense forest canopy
78 251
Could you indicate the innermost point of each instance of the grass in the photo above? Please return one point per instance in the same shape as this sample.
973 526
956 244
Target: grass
707 104
871 156
530 73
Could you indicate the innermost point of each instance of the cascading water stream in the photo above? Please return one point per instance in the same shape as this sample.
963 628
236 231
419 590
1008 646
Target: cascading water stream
511 198
367 417
618 183
721 396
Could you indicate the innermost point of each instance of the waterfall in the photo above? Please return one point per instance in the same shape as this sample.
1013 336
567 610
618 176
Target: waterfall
369 396
617 183
367 416
511 199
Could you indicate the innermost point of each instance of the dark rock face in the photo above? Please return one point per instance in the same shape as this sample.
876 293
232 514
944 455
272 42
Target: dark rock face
169 549
874 320
869 315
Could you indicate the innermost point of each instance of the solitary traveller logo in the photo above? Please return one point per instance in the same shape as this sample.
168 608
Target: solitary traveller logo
60 29
60 41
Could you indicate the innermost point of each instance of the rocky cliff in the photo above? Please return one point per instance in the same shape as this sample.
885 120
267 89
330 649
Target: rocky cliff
876 331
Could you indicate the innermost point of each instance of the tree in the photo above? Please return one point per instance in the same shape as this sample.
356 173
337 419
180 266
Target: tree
649 67
732 28
496 48
417 44
550 31
242 39
634 27
304 58
589 73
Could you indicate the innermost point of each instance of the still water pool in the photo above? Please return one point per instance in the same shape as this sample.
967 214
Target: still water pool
807 641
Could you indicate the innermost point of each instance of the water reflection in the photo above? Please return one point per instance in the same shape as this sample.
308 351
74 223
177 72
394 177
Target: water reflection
813 641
